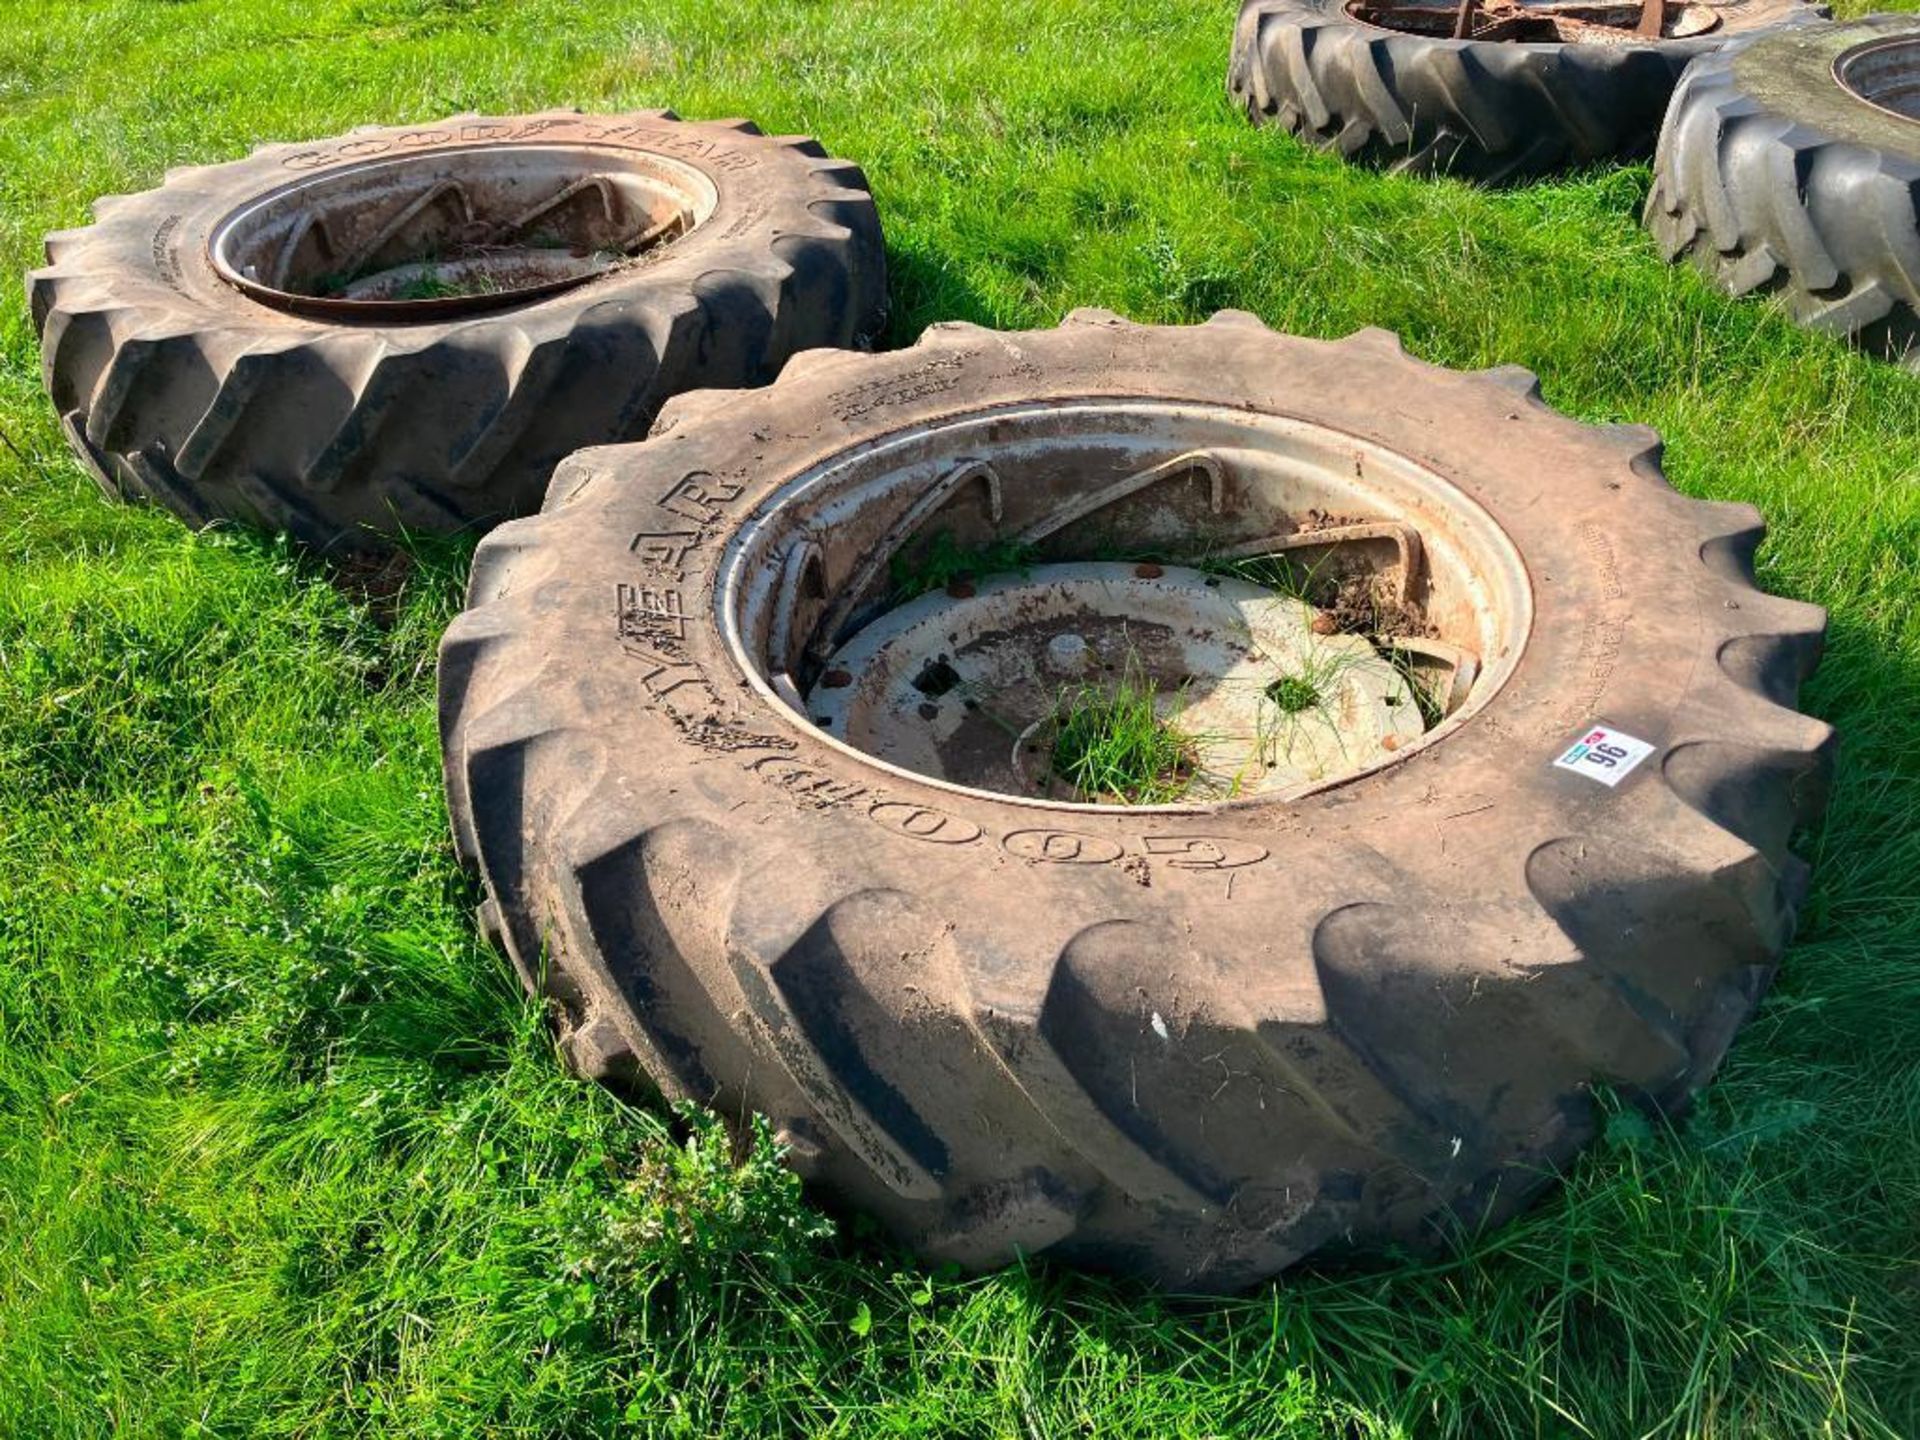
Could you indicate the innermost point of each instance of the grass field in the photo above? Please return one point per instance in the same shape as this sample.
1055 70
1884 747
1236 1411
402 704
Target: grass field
282 1151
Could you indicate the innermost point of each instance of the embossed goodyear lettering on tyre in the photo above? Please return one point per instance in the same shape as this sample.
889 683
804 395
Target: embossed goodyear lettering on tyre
237 394
1192 1042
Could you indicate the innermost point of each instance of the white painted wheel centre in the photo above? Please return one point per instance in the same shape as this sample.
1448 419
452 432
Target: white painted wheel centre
968 687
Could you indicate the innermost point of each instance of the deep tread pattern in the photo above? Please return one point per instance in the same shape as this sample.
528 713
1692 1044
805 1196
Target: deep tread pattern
661 895
1424 105
197 398
1400 995
1764 198
1196 1092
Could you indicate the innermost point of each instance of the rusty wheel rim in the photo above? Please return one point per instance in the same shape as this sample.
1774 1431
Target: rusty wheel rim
434 236
1552 22
1884 74
810 607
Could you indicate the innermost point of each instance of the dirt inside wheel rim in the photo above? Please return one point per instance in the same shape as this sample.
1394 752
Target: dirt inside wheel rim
1552 22
1884 73
433 236
1296 607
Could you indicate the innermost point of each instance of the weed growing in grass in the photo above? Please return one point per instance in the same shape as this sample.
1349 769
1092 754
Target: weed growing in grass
1184 292
702 1208
1110 742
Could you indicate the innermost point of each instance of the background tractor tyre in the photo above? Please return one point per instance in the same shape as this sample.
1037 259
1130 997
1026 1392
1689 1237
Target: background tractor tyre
1193 1042
1493 111
292 391
1790 164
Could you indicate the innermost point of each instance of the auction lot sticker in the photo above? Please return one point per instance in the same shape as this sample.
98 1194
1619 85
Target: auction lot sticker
1604 755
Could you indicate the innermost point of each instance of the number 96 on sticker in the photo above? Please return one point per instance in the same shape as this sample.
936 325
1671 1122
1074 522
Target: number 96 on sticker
1604 755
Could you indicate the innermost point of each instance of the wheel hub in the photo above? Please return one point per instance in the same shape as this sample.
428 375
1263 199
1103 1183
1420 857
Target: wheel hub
974 688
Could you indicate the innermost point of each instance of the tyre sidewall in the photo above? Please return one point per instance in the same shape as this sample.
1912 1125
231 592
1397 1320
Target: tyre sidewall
1610 552
156 247
1792 75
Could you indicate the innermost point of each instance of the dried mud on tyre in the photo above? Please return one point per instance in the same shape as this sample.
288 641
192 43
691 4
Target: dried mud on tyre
410 327
1193 1041
1387 83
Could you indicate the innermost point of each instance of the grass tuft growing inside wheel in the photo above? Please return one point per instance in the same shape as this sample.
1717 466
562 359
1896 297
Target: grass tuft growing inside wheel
1111 743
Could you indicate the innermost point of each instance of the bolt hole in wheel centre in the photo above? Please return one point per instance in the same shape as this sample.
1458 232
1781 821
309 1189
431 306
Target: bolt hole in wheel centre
1247 606
457 230
1884 73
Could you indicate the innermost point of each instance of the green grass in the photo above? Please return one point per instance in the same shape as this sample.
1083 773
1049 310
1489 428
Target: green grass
282 1152
432 286
1294 694
942 561
1109 742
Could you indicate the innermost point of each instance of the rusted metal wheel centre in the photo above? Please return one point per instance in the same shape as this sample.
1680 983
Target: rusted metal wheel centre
455 231
1569 22
1298 607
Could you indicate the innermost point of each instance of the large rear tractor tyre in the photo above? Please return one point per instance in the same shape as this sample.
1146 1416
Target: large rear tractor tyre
740 734
1790 166
1536 87
409 328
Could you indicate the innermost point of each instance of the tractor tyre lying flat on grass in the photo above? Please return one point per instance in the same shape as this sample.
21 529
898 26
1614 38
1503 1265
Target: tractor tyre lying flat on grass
1386 82
1790 164
1194 1040
409 327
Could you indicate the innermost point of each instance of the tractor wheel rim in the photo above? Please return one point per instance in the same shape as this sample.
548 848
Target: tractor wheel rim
1111 532
456 231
